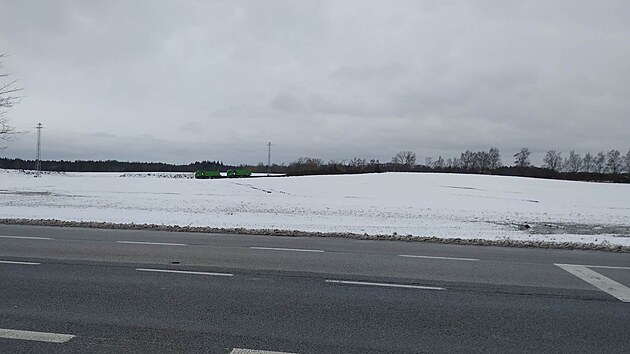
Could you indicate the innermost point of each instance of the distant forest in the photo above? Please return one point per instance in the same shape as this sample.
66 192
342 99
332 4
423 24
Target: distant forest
110 166
601 167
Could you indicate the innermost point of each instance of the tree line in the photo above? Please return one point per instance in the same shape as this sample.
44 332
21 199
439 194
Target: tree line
604 167
601 167
111 166
612 162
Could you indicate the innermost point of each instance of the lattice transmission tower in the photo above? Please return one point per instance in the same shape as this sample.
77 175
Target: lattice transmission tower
38 160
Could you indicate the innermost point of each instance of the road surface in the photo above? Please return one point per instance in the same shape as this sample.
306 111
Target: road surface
87 290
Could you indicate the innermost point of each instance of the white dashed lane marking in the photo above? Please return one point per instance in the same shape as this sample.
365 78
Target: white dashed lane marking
35 336
152 243
599 281
18 262
437 257
388 285
254 351
27 237
184 272
286 249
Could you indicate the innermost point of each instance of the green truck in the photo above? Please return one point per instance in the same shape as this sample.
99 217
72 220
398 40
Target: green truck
234 173
239 173
204 174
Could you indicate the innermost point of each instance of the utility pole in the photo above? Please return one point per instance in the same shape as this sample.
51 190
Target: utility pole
38 162
269 159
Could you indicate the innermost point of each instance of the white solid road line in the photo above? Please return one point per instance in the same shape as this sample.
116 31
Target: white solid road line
35 336
28 237
286 249
153 243
599 281
18 262
183 272
351 282
254 351
437 257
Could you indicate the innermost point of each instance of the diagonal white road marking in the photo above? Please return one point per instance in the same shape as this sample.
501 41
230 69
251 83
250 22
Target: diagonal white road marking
599 281
35 336
596 266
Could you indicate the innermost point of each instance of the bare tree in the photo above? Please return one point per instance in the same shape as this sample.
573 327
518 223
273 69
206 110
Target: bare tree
588 162
627 161
375 165
306 164
476 161
8 99
457 163
405 158
439 163
600 162
521 158
357 162
336 166
467 160
495 158
573 163
481 161
614 162
552 160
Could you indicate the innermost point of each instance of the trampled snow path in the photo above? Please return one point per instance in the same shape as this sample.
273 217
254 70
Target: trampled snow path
441 205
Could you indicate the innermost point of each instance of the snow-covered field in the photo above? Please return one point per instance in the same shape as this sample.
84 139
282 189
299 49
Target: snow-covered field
441 205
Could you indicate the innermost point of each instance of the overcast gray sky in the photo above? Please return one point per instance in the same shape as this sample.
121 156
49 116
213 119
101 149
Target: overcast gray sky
179 81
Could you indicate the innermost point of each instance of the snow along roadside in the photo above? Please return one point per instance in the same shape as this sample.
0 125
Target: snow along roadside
295 233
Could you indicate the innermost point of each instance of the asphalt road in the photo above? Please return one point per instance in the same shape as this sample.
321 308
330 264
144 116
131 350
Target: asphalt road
85 290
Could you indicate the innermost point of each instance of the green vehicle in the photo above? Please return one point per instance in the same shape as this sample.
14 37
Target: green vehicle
239 173
203 174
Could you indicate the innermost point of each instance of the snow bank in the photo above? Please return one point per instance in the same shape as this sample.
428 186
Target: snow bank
425 205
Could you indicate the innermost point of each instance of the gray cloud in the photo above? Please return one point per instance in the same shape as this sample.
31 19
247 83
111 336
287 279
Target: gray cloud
286 102
177 82
370 73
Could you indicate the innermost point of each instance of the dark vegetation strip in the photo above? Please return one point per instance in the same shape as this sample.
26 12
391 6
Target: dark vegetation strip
296 233
314 166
